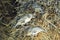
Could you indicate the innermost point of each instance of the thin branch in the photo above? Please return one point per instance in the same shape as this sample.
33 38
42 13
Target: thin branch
51 23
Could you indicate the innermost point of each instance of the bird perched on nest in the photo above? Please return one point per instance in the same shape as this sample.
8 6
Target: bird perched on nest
25 19
34 31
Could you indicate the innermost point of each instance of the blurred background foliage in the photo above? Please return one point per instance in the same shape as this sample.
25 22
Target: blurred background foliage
47 16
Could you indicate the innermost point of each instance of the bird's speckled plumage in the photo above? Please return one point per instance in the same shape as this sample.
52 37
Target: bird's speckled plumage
34 31
24 20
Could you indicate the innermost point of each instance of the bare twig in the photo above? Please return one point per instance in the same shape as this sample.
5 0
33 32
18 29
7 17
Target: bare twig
50 23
